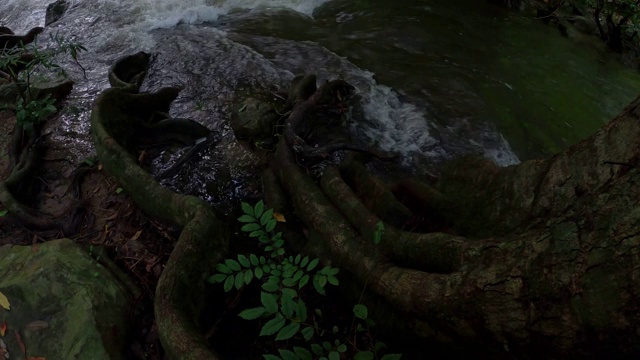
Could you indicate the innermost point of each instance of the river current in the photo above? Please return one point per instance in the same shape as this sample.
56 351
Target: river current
437 78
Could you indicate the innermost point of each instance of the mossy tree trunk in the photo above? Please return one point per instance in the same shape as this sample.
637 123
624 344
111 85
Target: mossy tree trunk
541 257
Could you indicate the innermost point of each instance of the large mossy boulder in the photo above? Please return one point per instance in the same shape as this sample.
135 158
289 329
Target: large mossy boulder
64 304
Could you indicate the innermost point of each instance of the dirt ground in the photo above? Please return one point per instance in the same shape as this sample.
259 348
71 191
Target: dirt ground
111 225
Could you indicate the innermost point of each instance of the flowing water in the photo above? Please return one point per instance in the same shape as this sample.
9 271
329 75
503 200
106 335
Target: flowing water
437 78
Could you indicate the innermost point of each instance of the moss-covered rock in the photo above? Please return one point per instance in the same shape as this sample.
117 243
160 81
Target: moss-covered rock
64 304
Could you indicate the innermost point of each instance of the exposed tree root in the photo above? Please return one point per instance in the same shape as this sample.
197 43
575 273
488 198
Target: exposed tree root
203 240
540 240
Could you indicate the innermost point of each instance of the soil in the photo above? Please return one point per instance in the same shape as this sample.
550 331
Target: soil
113 227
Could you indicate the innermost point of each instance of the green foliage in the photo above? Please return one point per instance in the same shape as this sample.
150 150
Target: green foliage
618 15
32 112
33 63
3 212
283 312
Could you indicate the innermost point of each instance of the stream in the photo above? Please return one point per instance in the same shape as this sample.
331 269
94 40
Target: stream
437 78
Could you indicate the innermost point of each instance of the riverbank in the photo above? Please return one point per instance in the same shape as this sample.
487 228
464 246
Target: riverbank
577 21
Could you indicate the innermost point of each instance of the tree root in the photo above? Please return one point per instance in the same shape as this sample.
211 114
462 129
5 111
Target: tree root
536 234
203 240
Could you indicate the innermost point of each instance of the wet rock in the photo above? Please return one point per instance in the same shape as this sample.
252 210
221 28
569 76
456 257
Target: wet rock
584 24
64 305
55 11
254 120
57 89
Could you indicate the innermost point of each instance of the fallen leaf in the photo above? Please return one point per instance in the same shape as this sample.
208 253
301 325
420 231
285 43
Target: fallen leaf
3 328
99 167
136 235
36 358
37 325
279 217
4 302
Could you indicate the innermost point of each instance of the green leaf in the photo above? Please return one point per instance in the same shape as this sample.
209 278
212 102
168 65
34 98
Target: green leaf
269 356
288 331
272 326
303 281
379 346
364 355
232 264
304 261
268 215
248 276
297 259
217 278
392 357
317 349
258 209
302 353
287 306
289 292
332 271
326 345
257 233
251 227
313 264
271 225
301 311
280 251
252 314
254 259
333 280
287 354
239 280
342 348
269 301
360 311
246 219
271 287
228 284
319 281
334 355
258 272
289 282
299 274
307 333
248 209
244 261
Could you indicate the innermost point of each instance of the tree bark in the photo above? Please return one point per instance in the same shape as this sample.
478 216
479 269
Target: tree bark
541 258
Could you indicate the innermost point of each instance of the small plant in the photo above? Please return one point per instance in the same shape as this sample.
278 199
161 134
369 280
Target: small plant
23 66
283 278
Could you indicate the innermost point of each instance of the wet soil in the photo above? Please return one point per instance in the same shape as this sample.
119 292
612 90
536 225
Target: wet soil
113 227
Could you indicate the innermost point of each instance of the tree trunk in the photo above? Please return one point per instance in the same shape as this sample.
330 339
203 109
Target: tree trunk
540 258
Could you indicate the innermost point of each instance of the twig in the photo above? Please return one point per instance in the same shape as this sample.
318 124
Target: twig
618 163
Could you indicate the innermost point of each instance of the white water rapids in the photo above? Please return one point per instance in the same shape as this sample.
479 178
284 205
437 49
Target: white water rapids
210 61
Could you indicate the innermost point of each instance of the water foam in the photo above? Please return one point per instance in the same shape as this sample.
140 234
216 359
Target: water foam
169 13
